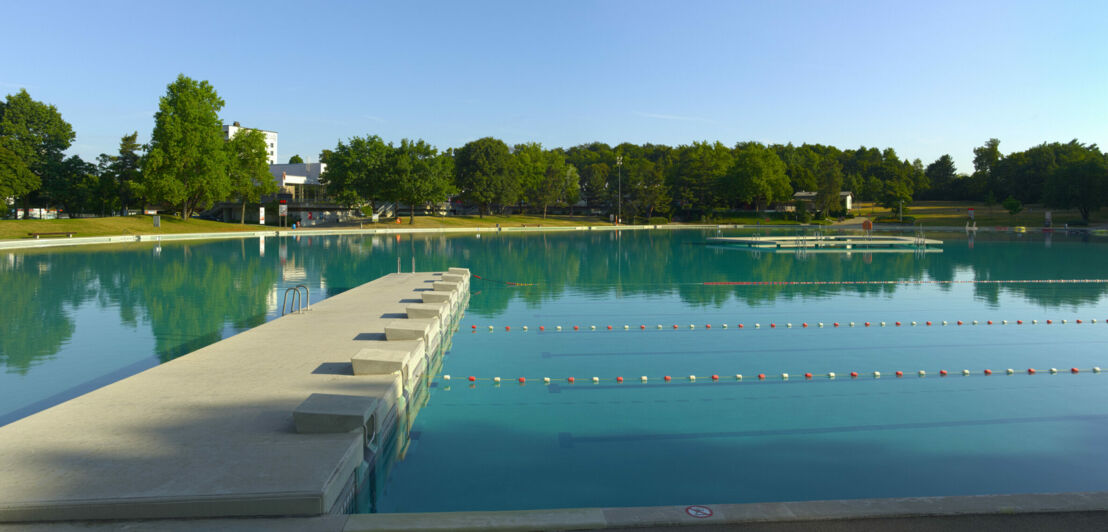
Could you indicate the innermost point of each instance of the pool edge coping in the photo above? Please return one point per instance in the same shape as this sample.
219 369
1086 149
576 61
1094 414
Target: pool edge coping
736 514
13 244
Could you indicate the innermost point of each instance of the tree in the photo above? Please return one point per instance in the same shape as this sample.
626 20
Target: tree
1080 183
358 171
829 175
480 173
896 195
699 170
36 134
295 159
16 180
126 171
558 184
420 175
758 177
248 168
594 183
1012 205
941 174
186 162
985 159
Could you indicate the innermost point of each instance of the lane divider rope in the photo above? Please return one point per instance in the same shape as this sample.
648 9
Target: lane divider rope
762 377
804 325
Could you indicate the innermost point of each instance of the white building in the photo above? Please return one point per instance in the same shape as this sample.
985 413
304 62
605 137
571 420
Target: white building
294 178
270 139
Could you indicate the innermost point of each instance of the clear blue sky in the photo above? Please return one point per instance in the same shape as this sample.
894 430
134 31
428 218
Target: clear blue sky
925 78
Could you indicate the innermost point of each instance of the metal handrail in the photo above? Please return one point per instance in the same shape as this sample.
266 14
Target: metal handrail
297 305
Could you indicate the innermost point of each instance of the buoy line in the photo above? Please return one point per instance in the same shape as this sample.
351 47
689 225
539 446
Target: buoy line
801 325
763 377
906 282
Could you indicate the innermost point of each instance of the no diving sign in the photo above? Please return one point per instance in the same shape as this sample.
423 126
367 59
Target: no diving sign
699 512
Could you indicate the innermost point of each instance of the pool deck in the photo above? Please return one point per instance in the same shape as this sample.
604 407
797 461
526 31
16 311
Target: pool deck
212 433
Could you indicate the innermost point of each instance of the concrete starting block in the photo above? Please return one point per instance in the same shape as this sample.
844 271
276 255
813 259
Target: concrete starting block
442 286
435 296
428 310
331 413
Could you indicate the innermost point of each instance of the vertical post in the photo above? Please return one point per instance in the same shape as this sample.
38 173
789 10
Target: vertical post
619 184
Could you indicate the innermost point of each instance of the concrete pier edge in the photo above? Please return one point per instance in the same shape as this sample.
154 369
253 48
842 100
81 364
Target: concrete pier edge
214 434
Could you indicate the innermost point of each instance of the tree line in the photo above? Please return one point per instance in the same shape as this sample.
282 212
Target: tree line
188 165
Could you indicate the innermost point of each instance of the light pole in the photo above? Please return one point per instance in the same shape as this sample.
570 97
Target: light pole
619 184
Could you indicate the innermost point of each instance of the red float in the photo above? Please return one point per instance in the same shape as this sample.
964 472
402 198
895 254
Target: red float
472 378
522 380
541 328
1030 371
1074 370
853 374
942 372
899 373
619 379
570 380
708 326
666 378
807 375
928 324
715 377
988 372
761 376
507 328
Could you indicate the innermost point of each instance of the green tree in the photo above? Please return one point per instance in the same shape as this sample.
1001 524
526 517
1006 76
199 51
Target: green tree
698 173
125 169
896 195
985 159
594 184
481 174
829 175
420 175
37 135
248 168
1081 183
70 184
1012 205
295 159
16 180
941 174
186 163
757 177
358 171
558 184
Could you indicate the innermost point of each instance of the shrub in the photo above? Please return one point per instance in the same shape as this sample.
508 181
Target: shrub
657 220
1012 205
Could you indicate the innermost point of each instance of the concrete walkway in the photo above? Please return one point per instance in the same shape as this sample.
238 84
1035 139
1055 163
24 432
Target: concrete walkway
212 433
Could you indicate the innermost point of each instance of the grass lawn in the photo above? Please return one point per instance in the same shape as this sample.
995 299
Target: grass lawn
115 225
488 221
954 213
144 225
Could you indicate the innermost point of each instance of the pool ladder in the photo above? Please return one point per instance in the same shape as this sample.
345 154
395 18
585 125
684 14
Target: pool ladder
297 305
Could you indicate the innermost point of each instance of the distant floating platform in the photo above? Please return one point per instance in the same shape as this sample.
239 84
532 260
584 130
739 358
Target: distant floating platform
831 243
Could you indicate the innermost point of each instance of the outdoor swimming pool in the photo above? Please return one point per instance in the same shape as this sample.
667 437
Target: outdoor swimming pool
75 319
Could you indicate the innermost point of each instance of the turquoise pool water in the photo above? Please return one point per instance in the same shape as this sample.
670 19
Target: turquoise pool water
79 318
